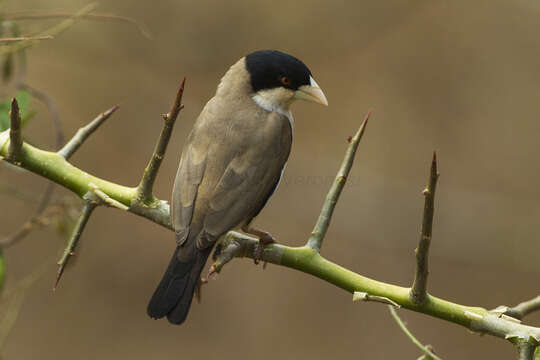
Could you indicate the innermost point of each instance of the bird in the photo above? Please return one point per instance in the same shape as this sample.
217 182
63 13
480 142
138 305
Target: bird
231 163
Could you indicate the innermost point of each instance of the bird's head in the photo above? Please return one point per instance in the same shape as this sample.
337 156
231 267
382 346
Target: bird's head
277 79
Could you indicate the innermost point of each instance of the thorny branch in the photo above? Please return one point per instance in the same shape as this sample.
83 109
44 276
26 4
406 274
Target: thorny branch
83 133
319 231
306 258
89 204
419 288
96 196
15 133
149 176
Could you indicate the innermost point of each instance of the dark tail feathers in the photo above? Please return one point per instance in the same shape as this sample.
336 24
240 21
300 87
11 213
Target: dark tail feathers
174 293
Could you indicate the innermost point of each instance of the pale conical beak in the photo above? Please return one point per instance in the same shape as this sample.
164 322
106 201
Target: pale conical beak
311 92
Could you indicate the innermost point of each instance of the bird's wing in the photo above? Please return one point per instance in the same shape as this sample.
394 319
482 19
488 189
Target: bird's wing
189 176
245 183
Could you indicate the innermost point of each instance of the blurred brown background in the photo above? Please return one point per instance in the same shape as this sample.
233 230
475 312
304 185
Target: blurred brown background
462 77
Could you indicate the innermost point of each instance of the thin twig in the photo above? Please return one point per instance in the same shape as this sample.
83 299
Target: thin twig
319 231
14 300
364 296
41 219
53 31
88 206
424 356
522 309
25 38
15 132
83 133
147 183
39 15
419 288
10 190
425 349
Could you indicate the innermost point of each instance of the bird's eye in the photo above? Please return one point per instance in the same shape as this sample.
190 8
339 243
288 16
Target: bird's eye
285 80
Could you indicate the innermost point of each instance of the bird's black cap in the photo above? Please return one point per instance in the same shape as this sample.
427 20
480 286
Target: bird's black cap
271 68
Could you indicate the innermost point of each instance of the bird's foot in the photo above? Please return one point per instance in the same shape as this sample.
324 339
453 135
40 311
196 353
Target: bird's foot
203 281
264 239
211 271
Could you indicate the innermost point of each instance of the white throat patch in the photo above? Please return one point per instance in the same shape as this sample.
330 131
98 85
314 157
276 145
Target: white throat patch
275 100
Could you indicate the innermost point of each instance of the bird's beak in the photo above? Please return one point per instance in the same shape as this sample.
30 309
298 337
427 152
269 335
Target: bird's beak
311 92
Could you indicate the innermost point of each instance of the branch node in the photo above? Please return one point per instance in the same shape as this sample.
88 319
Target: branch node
319 231
83 133
15 132
227 250
418 291
150 173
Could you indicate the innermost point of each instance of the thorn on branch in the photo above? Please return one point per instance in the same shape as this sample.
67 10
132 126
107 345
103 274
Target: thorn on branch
88 206
364 296
15 132
106 199
419 289
146 185
427 350
83 133
319 231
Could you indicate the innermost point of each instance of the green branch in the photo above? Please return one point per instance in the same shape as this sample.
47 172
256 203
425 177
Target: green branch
144 190
306 259
89 205
419 288
522 309
83 133
319 232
